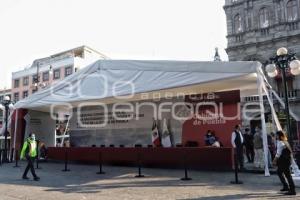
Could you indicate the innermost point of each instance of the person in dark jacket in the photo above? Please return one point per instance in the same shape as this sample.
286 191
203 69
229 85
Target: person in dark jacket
283 160
210 138
237 141
248 143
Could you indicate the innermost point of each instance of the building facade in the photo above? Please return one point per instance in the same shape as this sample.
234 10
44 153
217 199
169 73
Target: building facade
256 29
45 71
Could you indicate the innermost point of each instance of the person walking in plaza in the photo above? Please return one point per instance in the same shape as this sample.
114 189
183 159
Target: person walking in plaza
237 141
283 158
258 149
29 151
248 142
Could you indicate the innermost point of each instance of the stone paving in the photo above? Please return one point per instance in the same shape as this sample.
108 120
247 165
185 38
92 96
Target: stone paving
82 183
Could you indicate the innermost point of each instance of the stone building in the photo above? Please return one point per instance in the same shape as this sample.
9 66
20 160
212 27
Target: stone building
257 28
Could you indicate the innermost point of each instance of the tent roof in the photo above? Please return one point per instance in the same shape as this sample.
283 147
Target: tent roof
105 79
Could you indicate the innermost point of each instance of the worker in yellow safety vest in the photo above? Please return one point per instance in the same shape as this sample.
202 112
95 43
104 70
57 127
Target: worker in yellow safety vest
29 151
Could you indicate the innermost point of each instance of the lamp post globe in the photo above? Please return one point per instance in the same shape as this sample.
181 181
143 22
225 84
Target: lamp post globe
295 67
273 74
295 72
295 64
6 99
11 106
282 51
271 70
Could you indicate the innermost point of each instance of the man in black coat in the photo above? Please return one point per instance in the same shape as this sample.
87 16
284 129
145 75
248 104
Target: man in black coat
248 143
237 141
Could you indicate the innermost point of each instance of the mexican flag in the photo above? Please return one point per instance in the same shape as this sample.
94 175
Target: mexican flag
155 134
165 137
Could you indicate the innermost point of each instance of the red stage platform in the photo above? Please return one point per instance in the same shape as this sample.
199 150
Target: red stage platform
195 157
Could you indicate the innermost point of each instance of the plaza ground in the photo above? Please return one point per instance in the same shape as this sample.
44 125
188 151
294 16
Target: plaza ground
82 183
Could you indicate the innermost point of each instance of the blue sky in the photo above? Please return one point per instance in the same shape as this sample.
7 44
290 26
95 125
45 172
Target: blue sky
120 29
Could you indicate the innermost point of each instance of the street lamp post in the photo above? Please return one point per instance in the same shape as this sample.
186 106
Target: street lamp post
284 61
37 78
7 105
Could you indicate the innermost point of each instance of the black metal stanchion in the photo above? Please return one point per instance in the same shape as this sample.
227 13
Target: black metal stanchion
1 156
37 162
186 177
236 181
100 163
11 155
16 158
66 162
139 161
37 157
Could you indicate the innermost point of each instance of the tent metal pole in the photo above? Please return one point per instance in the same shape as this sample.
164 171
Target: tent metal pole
263 123
274 116
283 105
15 131
16 127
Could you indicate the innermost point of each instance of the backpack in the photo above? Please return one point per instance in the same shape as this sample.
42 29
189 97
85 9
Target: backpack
286 155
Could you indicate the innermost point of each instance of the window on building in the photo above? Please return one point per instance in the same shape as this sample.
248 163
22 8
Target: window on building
25 81
25 94
16 96
249 4
264 18
68 71
279 11
45 76
56 74
16 83
292 10
249 20
237 24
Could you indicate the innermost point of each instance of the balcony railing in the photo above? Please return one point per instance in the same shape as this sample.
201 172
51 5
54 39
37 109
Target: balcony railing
254 98
293 95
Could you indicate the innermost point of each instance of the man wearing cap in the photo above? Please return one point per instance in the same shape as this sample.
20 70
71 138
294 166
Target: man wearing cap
29 151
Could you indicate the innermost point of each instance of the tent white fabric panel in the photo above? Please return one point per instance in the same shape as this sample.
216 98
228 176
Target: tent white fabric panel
107 78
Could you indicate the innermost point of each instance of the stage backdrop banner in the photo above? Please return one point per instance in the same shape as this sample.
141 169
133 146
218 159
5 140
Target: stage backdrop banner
226 114
86 129
132 126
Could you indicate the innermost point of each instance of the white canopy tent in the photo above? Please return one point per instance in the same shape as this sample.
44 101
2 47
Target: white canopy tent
96 81
103 80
